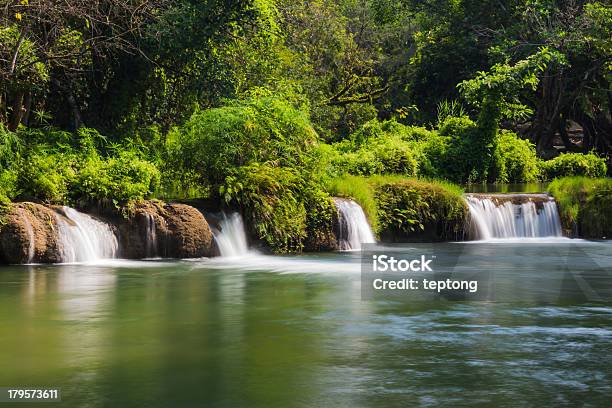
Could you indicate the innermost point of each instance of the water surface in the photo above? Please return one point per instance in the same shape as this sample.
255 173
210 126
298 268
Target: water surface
264 331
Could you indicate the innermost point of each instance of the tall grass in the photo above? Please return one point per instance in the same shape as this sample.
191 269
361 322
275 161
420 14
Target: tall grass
586 203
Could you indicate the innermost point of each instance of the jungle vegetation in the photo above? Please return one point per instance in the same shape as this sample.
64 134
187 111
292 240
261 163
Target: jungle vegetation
275 105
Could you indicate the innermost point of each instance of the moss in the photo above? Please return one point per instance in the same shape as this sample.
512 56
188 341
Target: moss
585 205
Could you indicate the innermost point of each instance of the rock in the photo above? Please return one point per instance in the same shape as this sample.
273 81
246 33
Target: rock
157 229
189 235
29 234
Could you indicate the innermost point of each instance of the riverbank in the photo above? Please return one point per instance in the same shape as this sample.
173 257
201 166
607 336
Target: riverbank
385 209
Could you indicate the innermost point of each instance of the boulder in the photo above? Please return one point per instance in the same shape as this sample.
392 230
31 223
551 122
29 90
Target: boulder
157 229
29 234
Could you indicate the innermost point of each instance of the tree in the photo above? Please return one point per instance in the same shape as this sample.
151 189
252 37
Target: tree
496 94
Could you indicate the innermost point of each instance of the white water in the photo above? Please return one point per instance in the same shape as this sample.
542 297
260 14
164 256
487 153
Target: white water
231 236
85 239
507 220
151 237
354 229
30 232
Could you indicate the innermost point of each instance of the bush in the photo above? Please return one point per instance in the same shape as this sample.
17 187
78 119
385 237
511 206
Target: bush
320 220
118 179
263 129
270 198
453 156
11 147
416 209
47 177
584 204
514 160
574 164
379 148
62 168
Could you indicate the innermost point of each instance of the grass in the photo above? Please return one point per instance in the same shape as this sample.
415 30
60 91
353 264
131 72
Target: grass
585 203
398 206
358 189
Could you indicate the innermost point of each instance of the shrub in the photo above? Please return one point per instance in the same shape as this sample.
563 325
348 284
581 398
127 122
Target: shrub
379 148
456 158
584 203
118 179
411 209
432 155
47 177
574 164
514 160
320 217
263 129
271 200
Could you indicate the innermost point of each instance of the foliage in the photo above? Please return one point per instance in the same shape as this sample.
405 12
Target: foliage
47 177
574 164
119 179
585 203
514 160
64 168
261 129
270 196
496 94
386 147
411 208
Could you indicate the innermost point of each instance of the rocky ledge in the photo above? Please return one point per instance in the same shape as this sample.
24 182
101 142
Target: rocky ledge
30 232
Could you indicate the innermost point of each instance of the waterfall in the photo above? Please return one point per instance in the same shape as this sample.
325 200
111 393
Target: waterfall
231 236
30 232
83 238
514 216
353 227
151 236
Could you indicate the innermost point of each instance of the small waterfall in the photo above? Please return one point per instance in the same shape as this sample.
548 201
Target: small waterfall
231 236
151 236
354 229
84 238
30 232
514 216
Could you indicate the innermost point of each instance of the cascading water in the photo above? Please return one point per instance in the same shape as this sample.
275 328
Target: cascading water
151 237
500 216
30 232
354 229
85 239
231 236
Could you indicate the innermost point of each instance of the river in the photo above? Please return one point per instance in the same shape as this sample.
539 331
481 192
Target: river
264 331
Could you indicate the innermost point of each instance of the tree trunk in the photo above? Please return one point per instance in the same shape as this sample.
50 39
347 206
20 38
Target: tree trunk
17 112
27 108
77 121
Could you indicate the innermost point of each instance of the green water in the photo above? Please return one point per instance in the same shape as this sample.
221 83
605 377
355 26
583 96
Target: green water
294 332
506 188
